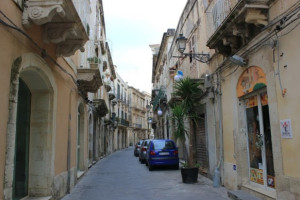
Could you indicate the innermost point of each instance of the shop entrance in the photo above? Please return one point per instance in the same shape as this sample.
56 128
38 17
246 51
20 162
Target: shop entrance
260 155
252 89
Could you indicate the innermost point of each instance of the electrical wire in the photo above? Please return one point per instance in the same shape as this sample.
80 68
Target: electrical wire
291 29
231 72
43 51
278 69
223 66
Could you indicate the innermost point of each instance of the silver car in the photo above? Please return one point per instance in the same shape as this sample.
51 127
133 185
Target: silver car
137 148
143 151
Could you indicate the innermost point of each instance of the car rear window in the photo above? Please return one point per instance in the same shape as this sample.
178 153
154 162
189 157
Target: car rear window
161 144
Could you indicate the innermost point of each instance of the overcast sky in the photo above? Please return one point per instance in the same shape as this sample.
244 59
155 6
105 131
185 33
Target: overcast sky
131 26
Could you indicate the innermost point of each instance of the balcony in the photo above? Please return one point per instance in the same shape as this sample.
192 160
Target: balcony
123 123
137 126
111 95
174 99
60 22
236 23
89 80
101 107
136 107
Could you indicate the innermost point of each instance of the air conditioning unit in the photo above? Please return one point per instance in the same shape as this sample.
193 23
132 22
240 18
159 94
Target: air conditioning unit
208 81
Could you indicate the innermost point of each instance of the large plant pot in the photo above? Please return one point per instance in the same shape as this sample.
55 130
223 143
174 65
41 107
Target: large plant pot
189 175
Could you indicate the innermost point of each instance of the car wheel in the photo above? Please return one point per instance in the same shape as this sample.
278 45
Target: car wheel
176 167
146 163
150 167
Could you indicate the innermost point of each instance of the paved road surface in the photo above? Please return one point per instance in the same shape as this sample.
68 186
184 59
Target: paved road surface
120 176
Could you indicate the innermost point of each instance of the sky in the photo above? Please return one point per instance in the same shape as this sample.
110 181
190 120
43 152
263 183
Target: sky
131 26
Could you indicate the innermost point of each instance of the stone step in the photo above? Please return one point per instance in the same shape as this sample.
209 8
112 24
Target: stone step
241 195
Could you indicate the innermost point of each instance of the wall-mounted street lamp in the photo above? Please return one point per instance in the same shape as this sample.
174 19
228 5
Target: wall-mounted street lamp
159 112
156 91
181 46
178 76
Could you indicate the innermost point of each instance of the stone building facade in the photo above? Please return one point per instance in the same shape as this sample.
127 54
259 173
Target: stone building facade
249 110
121 110
138 115
57 74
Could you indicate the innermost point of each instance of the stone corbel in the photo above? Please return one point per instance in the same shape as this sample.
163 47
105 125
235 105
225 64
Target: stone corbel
257 17
232 41
59 32
69 47
41 12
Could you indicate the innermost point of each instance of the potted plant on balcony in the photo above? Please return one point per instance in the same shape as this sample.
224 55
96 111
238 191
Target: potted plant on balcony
188 92
93 61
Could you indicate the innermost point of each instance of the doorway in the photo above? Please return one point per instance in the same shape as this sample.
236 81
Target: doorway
21 170
260 154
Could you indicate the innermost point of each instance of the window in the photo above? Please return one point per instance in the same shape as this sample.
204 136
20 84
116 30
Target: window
162 144
118 94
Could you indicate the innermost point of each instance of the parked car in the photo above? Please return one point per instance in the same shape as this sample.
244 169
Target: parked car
137 148
143 151
162 152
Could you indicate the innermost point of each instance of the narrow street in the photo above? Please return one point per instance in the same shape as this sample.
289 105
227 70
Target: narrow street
120 176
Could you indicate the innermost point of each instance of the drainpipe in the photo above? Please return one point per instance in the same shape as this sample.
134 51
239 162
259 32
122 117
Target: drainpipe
69 146
221 161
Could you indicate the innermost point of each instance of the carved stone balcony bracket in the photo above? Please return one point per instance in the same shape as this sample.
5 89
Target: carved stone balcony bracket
41 12
101 107
111 95
69 47
242 24
107 87
61 24
59 32
89 80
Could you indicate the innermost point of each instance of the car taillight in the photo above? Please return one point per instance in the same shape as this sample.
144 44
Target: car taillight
144 149
152 153
175 152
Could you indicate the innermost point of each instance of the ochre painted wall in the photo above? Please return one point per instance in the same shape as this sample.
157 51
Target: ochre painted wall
228 119
13 45
289 106
62 121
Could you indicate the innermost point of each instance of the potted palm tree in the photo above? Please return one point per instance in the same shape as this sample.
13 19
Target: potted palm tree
188 92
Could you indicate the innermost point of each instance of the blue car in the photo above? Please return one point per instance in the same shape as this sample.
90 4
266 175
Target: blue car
162 152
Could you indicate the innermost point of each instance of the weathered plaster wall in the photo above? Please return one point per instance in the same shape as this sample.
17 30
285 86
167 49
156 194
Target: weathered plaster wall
288 106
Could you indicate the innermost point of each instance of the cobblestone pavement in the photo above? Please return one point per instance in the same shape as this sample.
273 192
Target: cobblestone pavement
120 176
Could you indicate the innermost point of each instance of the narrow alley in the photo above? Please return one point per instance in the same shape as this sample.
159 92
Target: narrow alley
121 176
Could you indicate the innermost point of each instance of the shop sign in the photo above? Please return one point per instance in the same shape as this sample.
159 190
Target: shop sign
252 79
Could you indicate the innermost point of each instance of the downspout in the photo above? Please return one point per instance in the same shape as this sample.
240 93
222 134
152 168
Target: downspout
221 159
69 146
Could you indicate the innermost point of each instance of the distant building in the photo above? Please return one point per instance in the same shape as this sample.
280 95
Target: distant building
138 115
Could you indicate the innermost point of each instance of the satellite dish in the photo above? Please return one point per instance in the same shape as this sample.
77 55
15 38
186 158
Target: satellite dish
238 60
